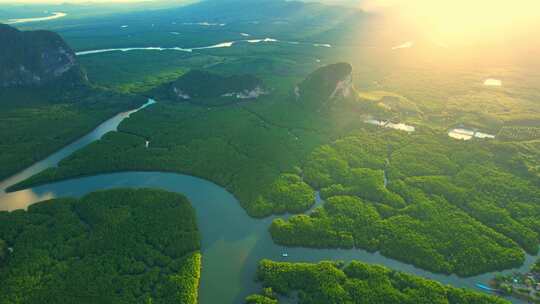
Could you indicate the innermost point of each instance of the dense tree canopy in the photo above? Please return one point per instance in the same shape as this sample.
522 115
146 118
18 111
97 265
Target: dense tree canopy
3 251
423 198
117 246
260 299
358 283
289 193
536 267
245 148
35 123
444 206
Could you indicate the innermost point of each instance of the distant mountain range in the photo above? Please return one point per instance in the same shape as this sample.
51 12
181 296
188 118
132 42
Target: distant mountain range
36 58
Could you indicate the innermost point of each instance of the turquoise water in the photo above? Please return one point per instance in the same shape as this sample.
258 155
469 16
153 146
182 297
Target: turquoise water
232 242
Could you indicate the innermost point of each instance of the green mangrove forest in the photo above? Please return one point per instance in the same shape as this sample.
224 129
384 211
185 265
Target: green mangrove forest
115 246
333 282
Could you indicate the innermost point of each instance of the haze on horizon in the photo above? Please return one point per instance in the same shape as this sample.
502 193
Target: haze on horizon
448 20
482 26
58 2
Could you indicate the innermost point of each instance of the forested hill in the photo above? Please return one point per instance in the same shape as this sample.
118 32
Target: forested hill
202 87
116 246
334 80
35 58
46 101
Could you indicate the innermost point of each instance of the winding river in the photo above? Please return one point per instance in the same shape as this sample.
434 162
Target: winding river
226 44
232 242
54 15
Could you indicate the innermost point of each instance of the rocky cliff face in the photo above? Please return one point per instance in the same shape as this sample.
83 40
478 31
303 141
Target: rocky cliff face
35 58
343 88
329 82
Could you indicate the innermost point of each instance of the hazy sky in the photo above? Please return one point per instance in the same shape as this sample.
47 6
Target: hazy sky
74 1
64 1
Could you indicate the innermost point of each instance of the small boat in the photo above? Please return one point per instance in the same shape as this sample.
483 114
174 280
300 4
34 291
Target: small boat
284 254
486 288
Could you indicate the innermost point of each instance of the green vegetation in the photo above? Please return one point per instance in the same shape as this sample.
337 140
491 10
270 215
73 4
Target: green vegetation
244 148
205 88
148 73
536 267
46 100
332 282
287 194
319 85
444 204
116 246
518 133
35 123
3 251
260 299
34 58
311 22
442 97
421 198
267 296
521 285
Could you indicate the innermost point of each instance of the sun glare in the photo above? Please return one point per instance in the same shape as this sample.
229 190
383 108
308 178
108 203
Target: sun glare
465 21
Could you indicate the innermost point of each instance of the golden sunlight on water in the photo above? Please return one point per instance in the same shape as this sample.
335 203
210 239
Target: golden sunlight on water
22 199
